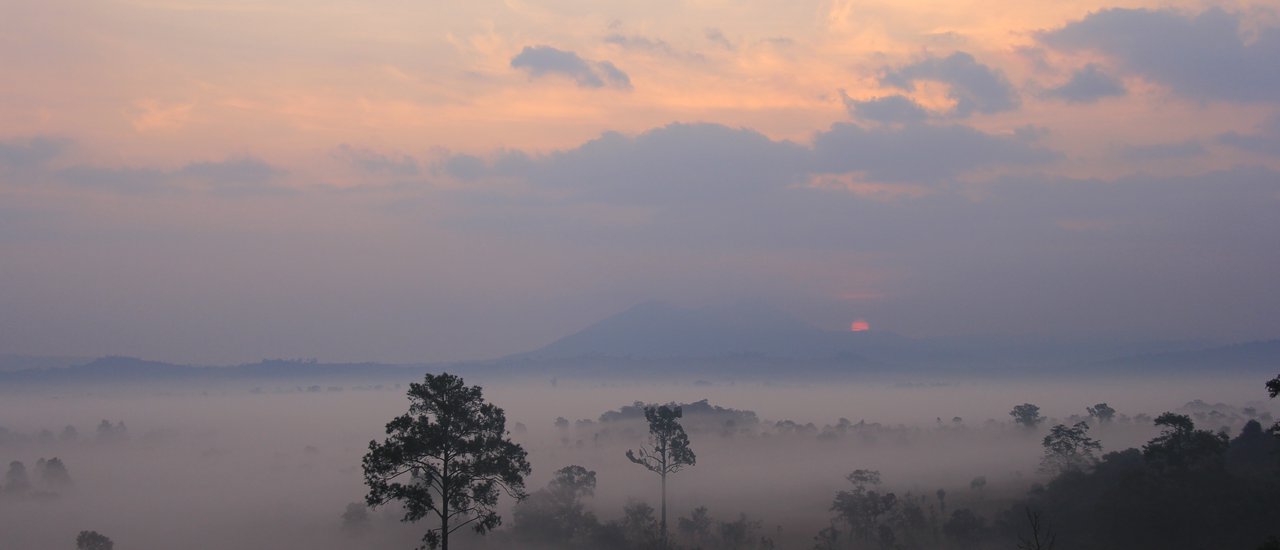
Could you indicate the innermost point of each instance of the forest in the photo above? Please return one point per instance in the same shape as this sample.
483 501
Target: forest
450 468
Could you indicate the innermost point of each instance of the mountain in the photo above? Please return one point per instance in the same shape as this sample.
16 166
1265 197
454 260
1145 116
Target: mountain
655 330
1262 355
12 363
116 369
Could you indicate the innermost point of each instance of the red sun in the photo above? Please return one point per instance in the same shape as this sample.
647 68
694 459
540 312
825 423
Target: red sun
861 325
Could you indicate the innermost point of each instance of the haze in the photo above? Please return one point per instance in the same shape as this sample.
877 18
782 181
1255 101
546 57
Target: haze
911 274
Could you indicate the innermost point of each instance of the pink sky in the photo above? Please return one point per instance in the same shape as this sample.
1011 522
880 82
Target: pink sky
404 180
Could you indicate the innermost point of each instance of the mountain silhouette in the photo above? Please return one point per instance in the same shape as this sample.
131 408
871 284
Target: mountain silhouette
656 330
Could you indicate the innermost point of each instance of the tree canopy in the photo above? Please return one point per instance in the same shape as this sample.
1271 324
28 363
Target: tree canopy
668 451
449 457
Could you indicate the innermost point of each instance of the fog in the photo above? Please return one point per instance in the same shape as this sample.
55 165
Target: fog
236 465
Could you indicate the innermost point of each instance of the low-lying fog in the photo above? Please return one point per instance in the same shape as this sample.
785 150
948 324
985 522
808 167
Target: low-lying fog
276 466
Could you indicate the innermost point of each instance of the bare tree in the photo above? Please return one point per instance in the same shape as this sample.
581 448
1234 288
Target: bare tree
1042 538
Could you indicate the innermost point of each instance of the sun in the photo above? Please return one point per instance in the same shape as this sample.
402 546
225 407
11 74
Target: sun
861 325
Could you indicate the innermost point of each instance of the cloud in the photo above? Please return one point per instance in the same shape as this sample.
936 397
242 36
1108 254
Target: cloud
973 86
127 181
1203 57
31 152
1163 151
674 163
921 153
240 176
1265 141
1088 85
698 164
614 76
236 171
640 43
540 61
717 37
377 163
464 167
888 109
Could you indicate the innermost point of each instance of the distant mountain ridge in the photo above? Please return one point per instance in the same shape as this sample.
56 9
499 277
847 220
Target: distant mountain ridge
656 330
131 369
750 339
1258 354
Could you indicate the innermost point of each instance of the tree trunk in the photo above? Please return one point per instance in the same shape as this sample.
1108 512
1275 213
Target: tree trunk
444 507
664 510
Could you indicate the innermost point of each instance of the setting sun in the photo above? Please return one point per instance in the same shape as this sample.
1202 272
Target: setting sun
861 325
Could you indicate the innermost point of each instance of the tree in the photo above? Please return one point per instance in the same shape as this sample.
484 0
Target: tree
92 540
449 456
556 514
978 484
16 481
355 519
1042 538
54 474
638 527
1068 449
1273 389
1027 415
1103 412
697 527
668 451
1182 447
863 507
965 527
1253 453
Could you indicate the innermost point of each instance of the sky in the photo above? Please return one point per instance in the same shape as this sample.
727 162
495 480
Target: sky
385 180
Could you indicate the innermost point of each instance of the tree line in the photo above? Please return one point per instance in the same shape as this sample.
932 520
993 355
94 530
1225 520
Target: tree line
449 458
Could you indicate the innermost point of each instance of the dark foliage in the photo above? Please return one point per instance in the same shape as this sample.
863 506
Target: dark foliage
449 456
1026 415
668 450
556 515
92 540
1176 493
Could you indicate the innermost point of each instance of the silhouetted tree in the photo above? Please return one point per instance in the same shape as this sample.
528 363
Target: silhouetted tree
1253 453
697 527
1068 448
556 514
108 432
54 474
827 539
1026 415
1181 446
1273 389
639 527
742 533
668 451
355 518
965 528
449 456
1042 538
862 507
16 481
92 540
1102 411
